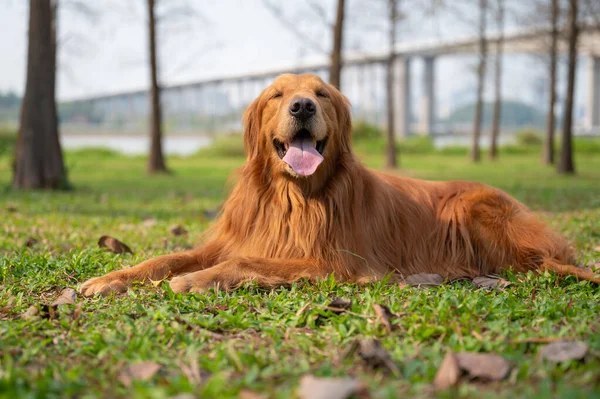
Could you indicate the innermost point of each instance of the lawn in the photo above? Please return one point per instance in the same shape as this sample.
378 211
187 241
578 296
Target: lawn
260 341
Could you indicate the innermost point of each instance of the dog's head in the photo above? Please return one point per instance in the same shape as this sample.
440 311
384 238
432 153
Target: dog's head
299 126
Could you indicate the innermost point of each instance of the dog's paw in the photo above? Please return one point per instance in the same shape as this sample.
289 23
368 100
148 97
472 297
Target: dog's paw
183 284
103 285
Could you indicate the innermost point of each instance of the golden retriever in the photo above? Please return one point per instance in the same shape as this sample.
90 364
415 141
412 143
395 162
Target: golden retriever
305 207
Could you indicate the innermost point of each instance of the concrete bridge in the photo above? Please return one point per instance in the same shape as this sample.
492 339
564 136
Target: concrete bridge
216 104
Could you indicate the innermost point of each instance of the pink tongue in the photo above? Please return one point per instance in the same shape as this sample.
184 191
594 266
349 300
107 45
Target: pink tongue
303 157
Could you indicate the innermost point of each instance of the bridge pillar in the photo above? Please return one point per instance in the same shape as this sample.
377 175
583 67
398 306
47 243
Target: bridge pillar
427 105
402 103
593 102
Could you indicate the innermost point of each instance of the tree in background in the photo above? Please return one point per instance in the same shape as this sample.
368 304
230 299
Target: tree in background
38 156
156 160
565 164
337 28
551 122
335 69
498 81
482 52
391 152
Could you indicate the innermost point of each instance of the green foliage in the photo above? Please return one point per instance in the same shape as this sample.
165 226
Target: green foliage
529 137
362 130
417 145
8 140
228 146
514 113
270 338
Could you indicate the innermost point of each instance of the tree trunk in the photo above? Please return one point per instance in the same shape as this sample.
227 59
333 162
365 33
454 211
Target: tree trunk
498 83
390 85
475 151
565 164
38 156
550 124
335 69
156 161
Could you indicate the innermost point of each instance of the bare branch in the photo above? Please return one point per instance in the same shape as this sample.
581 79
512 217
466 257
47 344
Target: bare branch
291 26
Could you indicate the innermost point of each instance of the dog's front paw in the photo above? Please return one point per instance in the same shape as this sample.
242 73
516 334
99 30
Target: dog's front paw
103 285
182 284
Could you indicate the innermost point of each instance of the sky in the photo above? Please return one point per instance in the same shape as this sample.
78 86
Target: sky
106 51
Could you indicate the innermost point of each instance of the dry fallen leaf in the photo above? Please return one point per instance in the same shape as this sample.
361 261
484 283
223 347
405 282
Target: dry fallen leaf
77 312
562 351
448 374
138 371
339 305
425 280
149 222
11 208
178 230
248 394
113 245
31 313
67 297
491 282
312 387
375 356
31 242
597 248
481 366
485 366
384 315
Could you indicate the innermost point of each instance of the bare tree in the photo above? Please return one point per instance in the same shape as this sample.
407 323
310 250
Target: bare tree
550 124
391 153
156 161
475 151
38 156
565 164
337 29
335 69
498 81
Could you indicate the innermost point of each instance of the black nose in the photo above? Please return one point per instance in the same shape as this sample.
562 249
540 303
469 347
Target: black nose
303 108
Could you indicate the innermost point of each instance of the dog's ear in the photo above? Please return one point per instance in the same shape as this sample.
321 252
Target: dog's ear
252 121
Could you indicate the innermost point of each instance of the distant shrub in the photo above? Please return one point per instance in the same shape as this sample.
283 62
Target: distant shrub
8 140
417 145
529 137
229 146
362 130
95 152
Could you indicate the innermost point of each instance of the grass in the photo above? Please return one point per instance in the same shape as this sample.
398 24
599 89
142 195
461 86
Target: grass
256 339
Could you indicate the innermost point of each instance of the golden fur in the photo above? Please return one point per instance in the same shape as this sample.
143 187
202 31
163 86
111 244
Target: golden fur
277 227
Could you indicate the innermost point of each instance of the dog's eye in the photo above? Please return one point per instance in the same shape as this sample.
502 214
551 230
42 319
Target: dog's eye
322 94
277 95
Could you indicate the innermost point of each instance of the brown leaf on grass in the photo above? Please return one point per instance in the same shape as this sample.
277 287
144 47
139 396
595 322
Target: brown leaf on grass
374 355
113 245
562 351
149 222
597 248
424 280
541 340
339 305
31 313
448 374
31 242
491 282
68 296
193 372
384 315
77 312
248 394
486 367
178 230
11 208
312 387
138 371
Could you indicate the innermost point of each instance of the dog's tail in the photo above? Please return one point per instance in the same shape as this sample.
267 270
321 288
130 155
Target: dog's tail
570 270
